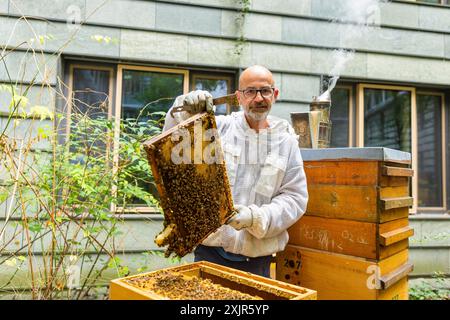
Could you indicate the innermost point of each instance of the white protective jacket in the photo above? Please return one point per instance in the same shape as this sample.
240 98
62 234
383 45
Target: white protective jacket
266 174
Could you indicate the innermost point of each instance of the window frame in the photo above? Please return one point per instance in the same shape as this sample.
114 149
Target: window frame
360 128
118 114
443 149
115 104
70 95
87 66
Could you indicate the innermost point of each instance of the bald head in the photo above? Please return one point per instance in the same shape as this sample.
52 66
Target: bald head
255 73
257 105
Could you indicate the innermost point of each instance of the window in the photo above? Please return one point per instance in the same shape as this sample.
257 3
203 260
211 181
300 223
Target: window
218 85
341 110
387 118
399 118
403 119
445 2
431 146
149 90
140 92
145 90
91 91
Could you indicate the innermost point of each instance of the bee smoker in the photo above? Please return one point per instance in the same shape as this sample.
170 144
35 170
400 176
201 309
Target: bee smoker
322 104
314 127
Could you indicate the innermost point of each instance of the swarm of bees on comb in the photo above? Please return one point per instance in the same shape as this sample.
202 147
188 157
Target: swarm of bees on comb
195 197
177 286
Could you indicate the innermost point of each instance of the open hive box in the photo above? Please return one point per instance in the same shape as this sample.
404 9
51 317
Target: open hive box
191 179
204 281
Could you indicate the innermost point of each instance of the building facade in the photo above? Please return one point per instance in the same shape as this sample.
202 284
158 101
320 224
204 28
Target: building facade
393 92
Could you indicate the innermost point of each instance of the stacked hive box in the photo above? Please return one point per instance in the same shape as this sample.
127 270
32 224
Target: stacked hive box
352 242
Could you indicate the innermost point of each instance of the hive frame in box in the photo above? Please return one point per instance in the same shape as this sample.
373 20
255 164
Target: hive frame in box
234 279
187 223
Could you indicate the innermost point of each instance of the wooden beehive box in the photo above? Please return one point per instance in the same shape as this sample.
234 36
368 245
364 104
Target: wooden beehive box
191 179
360 239
358 202
360 184
341 277
244 282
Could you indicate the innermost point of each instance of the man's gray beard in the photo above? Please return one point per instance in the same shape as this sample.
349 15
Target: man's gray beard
258 116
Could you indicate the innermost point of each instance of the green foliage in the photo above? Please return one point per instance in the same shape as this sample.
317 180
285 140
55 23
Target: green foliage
161 87
135 180
174 260
86 164
63 199
57 189
104 39
431 290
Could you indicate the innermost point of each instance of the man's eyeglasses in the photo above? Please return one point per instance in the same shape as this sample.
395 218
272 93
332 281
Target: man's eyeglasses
250 93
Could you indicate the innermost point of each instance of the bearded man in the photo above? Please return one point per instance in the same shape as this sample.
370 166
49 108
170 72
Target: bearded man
265 170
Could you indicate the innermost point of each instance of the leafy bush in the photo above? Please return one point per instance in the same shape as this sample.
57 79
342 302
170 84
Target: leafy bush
60 229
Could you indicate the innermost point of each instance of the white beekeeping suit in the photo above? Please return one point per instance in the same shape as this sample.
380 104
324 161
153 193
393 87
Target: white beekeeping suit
266 174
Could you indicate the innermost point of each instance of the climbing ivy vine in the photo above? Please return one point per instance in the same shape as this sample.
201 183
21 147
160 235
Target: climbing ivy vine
240 23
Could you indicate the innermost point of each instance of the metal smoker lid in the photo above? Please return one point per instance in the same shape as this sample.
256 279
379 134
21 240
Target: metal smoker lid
324 98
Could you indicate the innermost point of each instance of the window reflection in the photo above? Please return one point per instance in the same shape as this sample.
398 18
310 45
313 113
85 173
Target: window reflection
339 117
387 119
146 92
446 2
91 100
218 86
91 92
143 94
429 138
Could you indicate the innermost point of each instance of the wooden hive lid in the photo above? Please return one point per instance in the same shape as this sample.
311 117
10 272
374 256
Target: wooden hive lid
357 154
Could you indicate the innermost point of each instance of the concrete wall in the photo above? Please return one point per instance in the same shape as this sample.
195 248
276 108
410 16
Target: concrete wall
430 244
294 38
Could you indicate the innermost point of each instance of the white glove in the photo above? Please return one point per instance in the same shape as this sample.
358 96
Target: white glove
243 219
198 101
214 239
